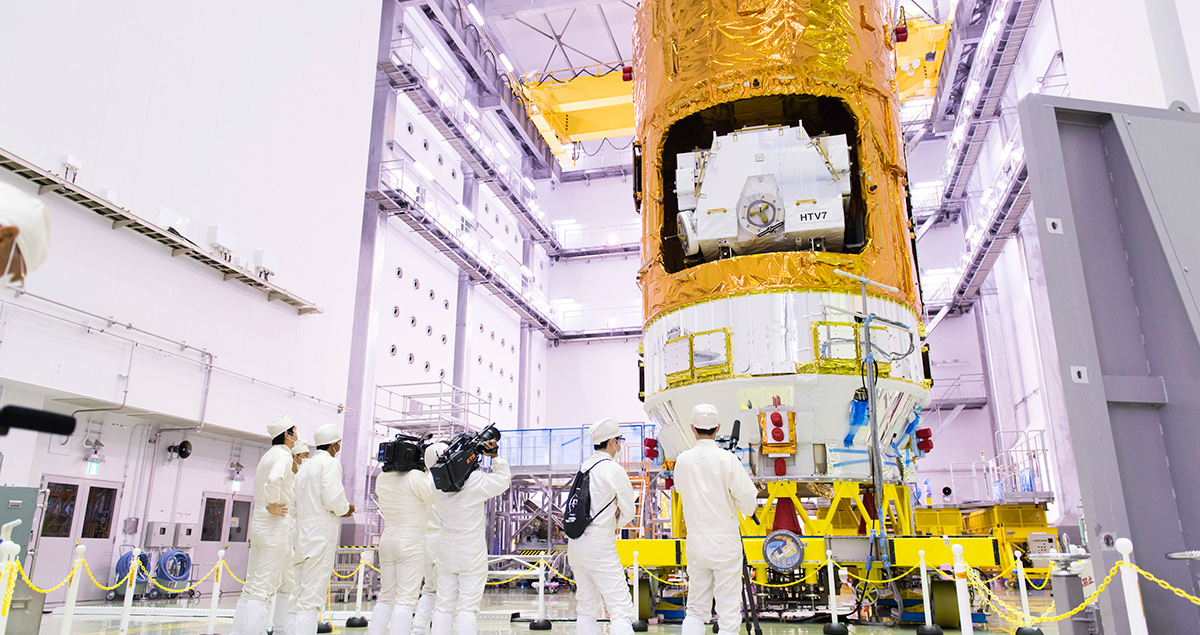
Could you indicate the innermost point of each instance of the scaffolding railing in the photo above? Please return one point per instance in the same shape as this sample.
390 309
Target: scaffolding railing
1019 473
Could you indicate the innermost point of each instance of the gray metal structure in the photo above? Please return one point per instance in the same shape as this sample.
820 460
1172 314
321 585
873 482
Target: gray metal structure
1119 232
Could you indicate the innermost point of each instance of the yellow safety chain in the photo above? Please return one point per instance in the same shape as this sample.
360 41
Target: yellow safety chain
25 577
87 567
558 573
375 568
154 580
352 573
1190 598
1039 588
666 582
519 575
1014 614
10 586
899 577
230 572
1002 574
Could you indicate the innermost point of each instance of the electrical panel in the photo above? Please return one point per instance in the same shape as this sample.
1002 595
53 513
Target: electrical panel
159 534
1041 543
187 535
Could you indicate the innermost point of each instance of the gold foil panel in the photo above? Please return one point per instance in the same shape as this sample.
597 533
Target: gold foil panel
692 54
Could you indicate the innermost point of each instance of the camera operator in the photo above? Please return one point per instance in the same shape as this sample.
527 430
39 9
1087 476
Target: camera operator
405 496
421 622
462 554
714 488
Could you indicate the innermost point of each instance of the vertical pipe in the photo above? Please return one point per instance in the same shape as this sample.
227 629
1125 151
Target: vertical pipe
637 609
542 590
216 595
130 585
1129 587
72 591
964 595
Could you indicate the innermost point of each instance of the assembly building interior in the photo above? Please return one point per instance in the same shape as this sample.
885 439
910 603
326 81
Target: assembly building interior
328 316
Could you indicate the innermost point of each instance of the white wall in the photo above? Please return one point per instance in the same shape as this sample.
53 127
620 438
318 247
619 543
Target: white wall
591 381
252 117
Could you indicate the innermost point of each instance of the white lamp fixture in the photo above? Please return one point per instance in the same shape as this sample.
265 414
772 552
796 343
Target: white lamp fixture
507 64
235 475
95 457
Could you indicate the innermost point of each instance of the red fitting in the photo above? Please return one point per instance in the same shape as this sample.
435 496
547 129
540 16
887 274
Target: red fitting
650 443
777 434
925 445
627 73
902 33
780 467
650 453
776 419
670 483
924 433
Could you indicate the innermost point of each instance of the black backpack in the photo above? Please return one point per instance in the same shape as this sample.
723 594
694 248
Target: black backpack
576 516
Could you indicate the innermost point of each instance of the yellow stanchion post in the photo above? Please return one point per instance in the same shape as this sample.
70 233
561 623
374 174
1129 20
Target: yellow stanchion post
834 627
964 595
1129 585
216 595
130 584
72 591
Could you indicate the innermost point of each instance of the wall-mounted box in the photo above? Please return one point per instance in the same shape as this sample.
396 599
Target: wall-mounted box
159 534
187 535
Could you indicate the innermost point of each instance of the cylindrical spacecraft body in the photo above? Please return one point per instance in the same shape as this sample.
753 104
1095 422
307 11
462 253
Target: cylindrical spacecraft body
770 156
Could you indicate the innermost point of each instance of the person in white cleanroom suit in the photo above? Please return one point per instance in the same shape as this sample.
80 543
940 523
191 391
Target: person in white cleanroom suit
714 487
24 233
462 553
404 502
320 501
270 530
593 556
282 618
421 621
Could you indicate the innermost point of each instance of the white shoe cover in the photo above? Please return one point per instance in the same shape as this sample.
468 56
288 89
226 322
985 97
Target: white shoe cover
442 623
380 618
250 617
402 619
424 613
465 623
586 626
693 626
304 622
281 621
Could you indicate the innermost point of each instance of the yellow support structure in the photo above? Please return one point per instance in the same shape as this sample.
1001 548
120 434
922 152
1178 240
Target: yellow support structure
1010 526
919 59
590 106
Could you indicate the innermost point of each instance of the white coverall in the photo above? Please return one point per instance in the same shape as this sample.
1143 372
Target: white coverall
462 554
282 616
421 621
270 542
714 487
593 556
404 500
320 502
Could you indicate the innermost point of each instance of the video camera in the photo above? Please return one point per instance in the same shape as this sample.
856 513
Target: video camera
730 442
461 458
404 453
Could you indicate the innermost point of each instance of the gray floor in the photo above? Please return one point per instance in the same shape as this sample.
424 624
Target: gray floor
496 610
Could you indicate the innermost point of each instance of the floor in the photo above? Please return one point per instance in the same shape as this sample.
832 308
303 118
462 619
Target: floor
497 608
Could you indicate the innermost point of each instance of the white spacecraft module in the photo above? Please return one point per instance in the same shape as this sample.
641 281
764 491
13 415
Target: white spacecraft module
763 189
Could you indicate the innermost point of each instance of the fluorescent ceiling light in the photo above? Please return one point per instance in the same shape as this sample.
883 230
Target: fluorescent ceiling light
525 270
565 221
499 242
504 151
475 15
529 183
507 64
423 170
466 213
437 66
470 108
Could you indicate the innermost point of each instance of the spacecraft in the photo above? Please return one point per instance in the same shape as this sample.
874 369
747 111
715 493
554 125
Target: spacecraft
768 158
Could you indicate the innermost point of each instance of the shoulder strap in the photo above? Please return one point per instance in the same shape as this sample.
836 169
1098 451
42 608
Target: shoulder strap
610 503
